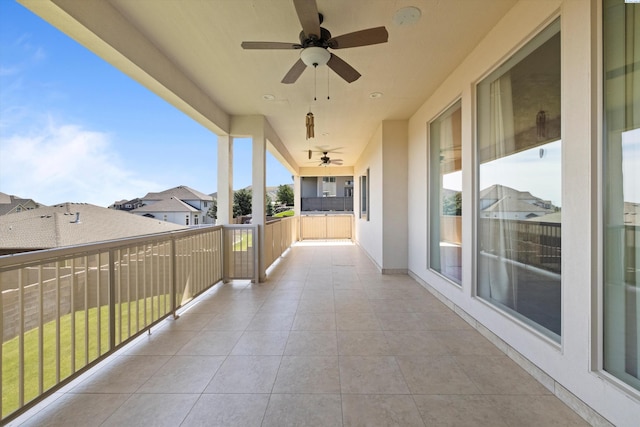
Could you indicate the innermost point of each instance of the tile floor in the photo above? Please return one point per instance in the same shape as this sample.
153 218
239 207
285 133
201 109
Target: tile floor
326 341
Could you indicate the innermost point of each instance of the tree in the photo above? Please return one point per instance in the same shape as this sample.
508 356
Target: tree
269 204
242 202
452 205
285 195
213 210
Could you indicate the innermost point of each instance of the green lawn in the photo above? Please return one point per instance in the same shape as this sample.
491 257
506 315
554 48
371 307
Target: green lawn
10 377
245 243
284 214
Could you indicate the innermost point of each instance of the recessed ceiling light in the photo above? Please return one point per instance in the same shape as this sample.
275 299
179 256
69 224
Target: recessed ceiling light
407 16
375 95
268 97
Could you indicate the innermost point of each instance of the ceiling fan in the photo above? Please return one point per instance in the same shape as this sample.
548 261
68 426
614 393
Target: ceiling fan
315 41
324 151
326 161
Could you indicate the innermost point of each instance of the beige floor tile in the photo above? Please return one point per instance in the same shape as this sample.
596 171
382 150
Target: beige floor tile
303 410
312 343
415 343
265 343
272 321
211 343
125 374
183 374
228 410
380 410
499 375
193 322
435 375
357 321
316 306
161 343
84 409
314 322
245 374
467 342
363 343
459 410
308 374
536 411
400 321
230 321
153 410
371 375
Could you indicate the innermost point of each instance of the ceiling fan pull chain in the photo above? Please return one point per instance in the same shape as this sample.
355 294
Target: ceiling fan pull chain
328 97
315 82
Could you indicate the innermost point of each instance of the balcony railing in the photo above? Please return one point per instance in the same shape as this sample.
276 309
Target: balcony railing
325 204
533 243
63 310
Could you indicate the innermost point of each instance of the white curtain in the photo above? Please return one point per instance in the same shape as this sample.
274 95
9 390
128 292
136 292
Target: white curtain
500 274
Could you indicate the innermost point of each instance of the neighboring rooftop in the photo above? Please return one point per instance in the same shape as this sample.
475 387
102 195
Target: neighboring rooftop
171 204
181 192
70 224
12 204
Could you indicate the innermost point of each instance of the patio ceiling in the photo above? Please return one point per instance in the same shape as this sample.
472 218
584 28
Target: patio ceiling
189 53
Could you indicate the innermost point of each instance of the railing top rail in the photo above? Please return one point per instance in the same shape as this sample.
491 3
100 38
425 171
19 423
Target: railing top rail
54 254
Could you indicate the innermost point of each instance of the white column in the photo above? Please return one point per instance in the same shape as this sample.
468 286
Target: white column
258 182
225 179
297 182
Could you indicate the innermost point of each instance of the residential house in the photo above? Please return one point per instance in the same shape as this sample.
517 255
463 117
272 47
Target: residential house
180 205
12 204
71 224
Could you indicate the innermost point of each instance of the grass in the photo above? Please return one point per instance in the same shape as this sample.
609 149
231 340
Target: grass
245 243
284 214
10 354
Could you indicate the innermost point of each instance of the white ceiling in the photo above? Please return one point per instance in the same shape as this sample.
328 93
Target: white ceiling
202 40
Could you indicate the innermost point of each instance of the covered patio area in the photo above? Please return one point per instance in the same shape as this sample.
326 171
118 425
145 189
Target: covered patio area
326 341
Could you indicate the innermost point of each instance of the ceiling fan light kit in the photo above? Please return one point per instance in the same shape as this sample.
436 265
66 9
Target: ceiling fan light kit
315 56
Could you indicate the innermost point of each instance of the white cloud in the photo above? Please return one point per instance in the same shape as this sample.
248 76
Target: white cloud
66 163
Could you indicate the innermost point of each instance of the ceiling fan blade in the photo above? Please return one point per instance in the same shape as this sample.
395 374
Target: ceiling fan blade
270 45
360 38
343 69
307 11
295 72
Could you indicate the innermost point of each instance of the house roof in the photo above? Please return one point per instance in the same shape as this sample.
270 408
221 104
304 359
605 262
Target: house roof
512 204
181 192
55 226
9 203
497 191
171 204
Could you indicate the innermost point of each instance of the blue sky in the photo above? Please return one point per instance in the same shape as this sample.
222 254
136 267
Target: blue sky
75 129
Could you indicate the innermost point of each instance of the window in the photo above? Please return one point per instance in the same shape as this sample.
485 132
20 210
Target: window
364 196
445 190
195 220
519 183
621 144
186 221
329 187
